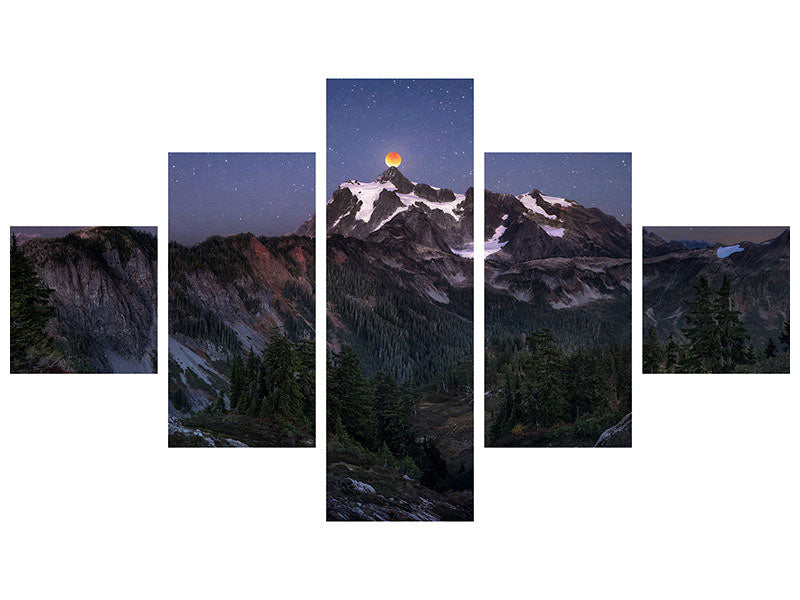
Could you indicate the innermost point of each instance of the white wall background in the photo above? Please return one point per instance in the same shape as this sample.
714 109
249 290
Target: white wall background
94 96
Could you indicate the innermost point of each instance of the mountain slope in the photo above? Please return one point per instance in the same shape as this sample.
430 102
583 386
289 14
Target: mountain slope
759 276
228 295
104 292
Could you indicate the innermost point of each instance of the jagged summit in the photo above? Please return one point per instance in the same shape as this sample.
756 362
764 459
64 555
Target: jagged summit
400 181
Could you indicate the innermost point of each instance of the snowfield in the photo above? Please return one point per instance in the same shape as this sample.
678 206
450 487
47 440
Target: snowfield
553 231
726 251
530 203
368 193
494 244
557 201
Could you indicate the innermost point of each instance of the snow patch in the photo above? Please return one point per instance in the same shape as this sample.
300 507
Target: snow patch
493 244
553 231
446 207
467 251
556 201
368 193
726 251
530 203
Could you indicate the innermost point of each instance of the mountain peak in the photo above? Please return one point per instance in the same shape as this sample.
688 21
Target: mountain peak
393 175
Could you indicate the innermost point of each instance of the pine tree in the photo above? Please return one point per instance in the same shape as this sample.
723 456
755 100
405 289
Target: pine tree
390 413
672 356
542 391
703 352
237 379
770 349
282 396
783 338
652 353
732 334
306 370
350 398
32 348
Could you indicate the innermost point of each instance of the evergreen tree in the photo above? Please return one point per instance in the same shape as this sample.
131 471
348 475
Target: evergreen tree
390 413
783 338
703 352
237 379
306 369
32 348
672 356
543 399
770 349
282 396
652 353
350 399
732 334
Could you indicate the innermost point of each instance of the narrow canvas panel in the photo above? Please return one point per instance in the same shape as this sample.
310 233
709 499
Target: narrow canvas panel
83 300
241 300
558 299
399 299
715 300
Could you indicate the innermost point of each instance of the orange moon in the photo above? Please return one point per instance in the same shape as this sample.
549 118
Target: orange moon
393 159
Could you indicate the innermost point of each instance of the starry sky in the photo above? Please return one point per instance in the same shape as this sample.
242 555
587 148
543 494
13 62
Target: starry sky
601 180
429 122
223 194
719 235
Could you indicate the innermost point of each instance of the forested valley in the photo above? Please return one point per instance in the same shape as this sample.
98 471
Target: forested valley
542 395
714 340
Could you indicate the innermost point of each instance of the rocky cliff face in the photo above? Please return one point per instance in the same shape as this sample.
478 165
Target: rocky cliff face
759 277
105 290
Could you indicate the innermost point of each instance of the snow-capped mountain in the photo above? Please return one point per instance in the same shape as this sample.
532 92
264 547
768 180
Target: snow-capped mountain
392 206
554 263
399 284
532 226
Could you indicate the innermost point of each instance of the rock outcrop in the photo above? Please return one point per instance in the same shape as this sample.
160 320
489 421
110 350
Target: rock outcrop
104 282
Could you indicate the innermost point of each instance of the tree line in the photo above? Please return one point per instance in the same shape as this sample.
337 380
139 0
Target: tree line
549 394
716 339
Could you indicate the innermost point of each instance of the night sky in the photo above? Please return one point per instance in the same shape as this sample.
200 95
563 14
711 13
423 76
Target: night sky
429 122
719 235
223 194
601 180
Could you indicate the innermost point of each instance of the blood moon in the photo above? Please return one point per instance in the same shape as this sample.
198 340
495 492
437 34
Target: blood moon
393 159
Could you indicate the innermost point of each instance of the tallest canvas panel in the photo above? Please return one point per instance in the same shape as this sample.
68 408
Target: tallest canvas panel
399 299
